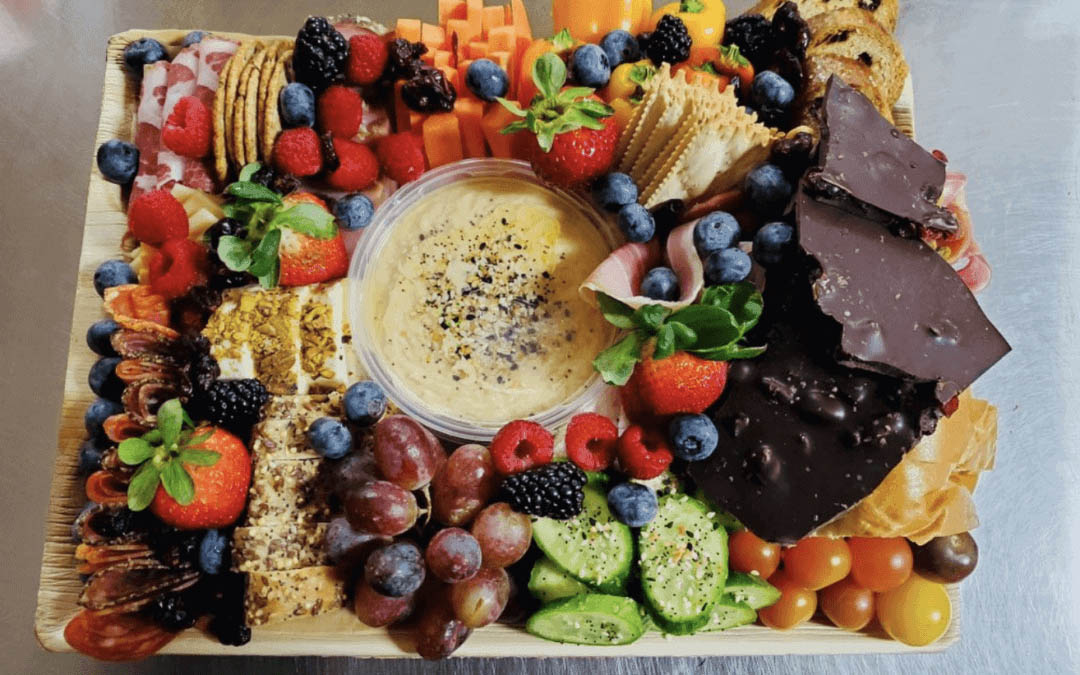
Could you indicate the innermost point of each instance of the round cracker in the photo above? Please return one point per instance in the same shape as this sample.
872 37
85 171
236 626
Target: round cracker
268 70
234 67
271 119
222 108
251 108
249 78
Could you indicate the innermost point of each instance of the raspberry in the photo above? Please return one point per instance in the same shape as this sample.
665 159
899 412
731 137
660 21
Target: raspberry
189 129
402 156
643 454
178 265
590 441
298 151
359 168
521 445
340 111
157 216
367 58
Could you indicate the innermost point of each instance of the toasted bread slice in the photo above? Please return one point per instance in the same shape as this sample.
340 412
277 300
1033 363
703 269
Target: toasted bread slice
883 11
820 67
854 33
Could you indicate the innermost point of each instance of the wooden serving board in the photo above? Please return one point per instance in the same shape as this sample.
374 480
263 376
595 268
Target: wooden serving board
338 633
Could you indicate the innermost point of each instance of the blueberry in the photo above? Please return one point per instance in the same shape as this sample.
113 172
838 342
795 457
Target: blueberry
660 283
142 52
620 47
634 504
693 437
589 66
194 37
395 570
769 89
90 453
486 79
354 211
113 273
96 414
329 437
118 161
365 403
97 337
772 242
729 266
767 189
296 105
212 551
636 223
103 380
614 191
715 232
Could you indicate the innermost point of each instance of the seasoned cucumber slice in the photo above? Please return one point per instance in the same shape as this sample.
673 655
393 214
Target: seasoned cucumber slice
751 589
683 556
727 613
591 619
592 547
548 583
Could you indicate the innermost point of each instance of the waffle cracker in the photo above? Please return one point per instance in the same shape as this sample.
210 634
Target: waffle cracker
270 118
223 104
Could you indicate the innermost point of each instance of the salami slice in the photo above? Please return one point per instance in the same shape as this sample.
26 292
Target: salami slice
115 637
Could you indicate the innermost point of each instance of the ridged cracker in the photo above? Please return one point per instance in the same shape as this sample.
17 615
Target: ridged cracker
251 105
693 115
236 66
675 111
650 109
249 79
223 102
271 116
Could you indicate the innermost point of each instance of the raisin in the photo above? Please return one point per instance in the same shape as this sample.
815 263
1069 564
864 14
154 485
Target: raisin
428 91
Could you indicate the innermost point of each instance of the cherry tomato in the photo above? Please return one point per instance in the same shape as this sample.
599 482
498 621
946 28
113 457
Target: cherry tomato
751 554
880 563
796 604
816 562
916 612
847 604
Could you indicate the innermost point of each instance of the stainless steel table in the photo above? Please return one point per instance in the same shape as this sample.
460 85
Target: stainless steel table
998 88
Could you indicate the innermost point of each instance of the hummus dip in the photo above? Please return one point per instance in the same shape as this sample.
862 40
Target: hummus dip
473 303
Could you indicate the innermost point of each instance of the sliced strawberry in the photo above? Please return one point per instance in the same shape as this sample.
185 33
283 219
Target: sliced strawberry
306 260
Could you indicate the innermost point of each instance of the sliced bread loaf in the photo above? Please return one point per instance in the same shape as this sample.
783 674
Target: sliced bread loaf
854 33
858 75
883 11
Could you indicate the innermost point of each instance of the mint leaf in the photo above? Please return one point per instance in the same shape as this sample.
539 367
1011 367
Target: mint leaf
265 254
616 313
170 419
178 483
199 457
512 106
665 342
248 171
616 363
134 451
234 252
143 486
306 219
729 352
253 192
549 74
685 337
713 325
650 317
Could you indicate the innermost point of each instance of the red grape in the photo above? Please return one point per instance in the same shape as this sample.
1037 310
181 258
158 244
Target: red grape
353 471
380 507
480 600
396 570
376 609
438 632
345 546
464 484
503 533
406 453
453 555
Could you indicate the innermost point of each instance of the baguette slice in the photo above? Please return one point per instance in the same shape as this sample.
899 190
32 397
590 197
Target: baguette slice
883 11
854 33
820 67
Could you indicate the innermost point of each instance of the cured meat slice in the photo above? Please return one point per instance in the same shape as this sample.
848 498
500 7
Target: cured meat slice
173 168
148 121
116 637
214 53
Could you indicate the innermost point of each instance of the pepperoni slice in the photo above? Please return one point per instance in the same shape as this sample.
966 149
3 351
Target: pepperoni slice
115 637
104 488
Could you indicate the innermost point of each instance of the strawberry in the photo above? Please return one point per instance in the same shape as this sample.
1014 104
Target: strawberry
575 130
307 260
368 54
681 383
190 478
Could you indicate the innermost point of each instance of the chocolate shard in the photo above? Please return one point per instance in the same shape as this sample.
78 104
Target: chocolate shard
867 165
901 308
802 437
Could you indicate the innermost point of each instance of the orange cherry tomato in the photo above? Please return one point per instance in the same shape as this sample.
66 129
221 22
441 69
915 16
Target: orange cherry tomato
917 612
847 604
880 564
796 604
816 562
751 554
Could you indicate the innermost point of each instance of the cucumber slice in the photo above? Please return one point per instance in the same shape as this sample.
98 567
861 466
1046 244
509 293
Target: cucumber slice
591 619
726 612
592 547
548 583
683 563
751 589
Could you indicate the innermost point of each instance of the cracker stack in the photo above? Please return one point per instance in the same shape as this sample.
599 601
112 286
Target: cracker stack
246 120
689 141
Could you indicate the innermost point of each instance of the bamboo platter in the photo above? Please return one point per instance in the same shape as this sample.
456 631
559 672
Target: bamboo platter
337 633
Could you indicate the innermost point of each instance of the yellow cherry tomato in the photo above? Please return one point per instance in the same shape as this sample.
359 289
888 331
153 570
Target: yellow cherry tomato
917 612
704 19
624 109
626 78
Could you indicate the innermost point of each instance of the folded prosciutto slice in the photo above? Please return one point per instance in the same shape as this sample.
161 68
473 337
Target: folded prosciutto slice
964 255
171 167
620 275
148 122
214 53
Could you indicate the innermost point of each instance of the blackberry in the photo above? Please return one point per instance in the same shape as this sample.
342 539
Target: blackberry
670 42
171 612
755 37
235 404
553 491
230 630
320 54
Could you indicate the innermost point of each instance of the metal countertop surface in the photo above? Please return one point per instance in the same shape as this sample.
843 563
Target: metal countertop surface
997 87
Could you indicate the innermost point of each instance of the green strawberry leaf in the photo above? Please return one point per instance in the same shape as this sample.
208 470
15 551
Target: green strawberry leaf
595 108
265 254
665 342
306 219
177 482
549 74
510 105
691 6
153 437
248 171
642 75
196 441
563 40
650 317
170 419
253 192
571 94
199 457
685 337
576 117
143 486
235 253
743 300
513 128
270 279
616 363
134 451
616 313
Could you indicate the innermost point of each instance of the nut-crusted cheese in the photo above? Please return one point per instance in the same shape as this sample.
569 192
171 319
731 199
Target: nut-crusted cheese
286 546
279 595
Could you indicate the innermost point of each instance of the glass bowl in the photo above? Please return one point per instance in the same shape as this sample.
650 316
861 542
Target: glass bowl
366 256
